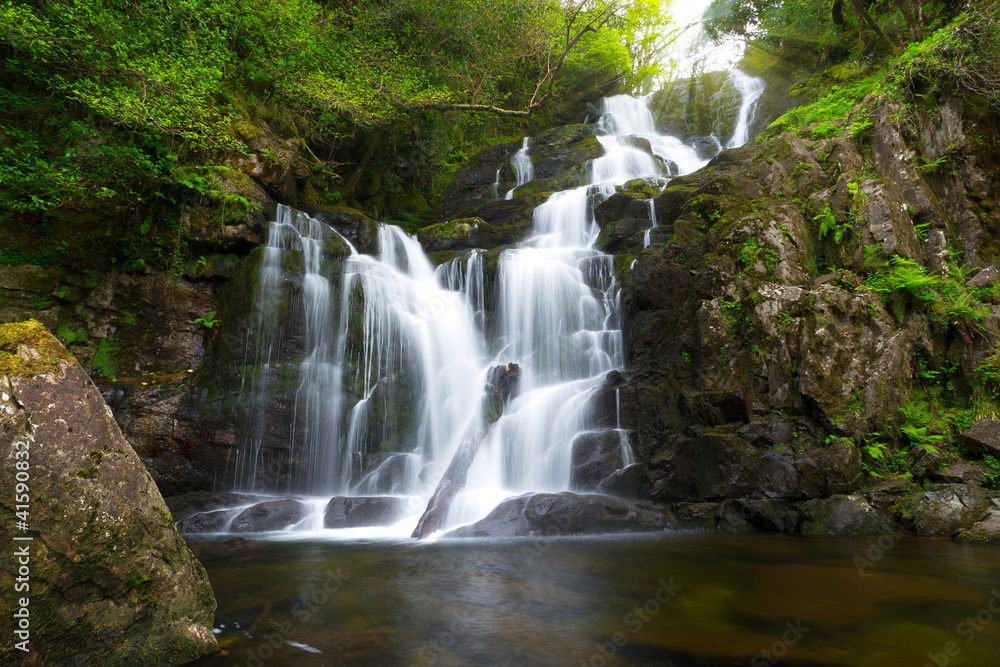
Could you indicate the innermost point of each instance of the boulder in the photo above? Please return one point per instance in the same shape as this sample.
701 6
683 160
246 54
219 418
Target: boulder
106 562
945 510
960 473
983 439
844 515
987 529
344 512
268 516
553 514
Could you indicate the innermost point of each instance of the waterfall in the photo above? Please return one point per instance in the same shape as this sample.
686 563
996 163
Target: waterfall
395 351
751 88
524 171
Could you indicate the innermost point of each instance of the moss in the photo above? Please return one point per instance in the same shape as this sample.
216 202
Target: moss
104 364
43 353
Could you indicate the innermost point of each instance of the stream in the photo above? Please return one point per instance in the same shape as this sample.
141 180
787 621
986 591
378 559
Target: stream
681 599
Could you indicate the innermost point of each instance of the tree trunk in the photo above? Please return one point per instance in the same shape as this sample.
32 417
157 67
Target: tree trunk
916 34
864 18
500 384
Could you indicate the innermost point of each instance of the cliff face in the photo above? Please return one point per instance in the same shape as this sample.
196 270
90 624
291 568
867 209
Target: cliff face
109 580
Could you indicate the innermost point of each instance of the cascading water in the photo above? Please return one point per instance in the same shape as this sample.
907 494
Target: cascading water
750 88
524 171
396 352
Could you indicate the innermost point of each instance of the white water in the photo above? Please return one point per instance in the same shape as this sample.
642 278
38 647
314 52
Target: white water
751 88
394 336
524 170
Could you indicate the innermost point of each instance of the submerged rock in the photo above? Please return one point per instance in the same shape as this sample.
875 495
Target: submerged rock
106 562
566 513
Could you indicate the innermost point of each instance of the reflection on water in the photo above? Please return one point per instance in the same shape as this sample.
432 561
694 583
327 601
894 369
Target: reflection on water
666 600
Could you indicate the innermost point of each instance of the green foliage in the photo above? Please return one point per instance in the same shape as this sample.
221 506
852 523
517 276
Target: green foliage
920 426
942 297
104 364
828 223
210 321
751 252
830 112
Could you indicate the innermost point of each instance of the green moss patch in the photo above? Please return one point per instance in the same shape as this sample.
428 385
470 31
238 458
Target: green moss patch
42 352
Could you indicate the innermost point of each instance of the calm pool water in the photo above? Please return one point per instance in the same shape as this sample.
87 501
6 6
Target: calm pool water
679 599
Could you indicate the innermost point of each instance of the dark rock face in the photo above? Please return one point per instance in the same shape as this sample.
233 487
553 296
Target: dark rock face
596 455
273 515
844 515
983 439
106 561
352 512
629 482
567 513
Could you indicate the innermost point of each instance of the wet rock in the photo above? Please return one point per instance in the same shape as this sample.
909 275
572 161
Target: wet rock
355 226
344 512
605 402
923 462
596 455
987 529
983 439
696 516
107 563
716 464
945 510
623 236
268 516
217 521
844 515
29 278
772 515
715 408
702 106
629 482
889 493
464 233
835 469
189 504
960 473
553 514
171 428
561 148
620 206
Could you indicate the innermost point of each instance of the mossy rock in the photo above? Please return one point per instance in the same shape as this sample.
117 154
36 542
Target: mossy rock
27 349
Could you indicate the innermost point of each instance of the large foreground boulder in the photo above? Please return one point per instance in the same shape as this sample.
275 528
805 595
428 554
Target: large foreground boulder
109 581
